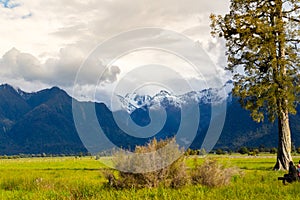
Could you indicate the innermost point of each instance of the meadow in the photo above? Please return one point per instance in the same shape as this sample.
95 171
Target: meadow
82 178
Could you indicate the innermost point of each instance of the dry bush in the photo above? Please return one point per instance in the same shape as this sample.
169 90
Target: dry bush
212 174
159 163
165 156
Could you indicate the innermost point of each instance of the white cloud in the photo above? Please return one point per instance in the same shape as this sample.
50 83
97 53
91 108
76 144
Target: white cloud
17 64
56 71
54 37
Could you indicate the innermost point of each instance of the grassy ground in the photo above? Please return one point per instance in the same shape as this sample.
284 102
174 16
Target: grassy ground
81 178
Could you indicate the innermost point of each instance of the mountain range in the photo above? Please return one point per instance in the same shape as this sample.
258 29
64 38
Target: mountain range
42 122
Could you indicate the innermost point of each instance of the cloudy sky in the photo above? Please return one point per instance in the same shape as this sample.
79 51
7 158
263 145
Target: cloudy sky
44 43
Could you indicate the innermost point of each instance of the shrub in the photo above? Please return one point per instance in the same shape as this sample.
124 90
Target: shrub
212 174
136 171
243 150
298 150
159 163
202 152
220 152
254 152
194 152
273 150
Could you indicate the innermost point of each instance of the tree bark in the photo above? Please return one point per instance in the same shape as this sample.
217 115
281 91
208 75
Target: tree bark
284 132
284 142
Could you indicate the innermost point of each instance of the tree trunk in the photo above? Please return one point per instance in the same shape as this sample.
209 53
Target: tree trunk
284 132
284 143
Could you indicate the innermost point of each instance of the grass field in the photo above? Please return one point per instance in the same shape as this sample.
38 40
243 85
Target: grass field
81 178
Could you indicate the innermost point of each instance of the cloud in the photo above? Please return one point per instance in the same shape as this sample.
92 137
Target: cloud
55 71
54 38
54 24
17 64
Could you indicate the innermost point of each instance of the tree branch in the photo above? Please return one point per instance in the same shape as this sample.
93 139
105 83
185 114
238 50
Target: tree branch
292 19
293 40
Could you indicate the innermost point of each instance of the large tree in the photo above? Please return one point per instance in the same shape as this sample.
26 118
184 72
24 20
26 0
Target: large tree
262 42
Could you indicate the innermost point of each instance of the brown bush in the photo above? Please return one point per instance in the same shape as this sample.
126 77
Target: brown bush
159 163
212 174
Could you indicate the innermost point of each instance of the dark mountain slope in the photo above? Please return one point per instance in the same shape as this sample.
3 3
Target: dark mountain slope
42 122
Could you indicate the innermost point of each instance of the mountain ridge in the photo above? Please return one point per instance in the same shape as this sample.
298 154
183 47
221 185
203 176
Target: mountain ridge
42 122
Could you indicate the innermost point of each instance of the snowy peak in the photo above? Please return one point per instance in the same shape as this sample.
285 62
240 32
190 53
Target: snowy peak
133 101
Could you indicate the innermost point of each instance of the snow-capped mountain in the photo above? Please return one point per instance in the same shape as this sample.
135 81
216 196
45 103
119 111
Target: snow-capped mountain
133 101
43 121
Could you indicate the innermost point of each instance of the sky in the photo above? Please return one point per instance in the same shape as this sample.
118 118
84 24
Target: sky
62 43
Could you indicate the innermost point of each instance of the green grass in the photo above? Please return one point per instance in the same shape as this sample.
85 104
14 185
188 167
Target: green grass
81 178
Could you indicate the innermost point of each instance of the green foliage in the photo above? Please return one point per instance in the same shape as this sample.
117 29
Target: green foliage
194 152
220 152
243 150
273 150
298 150
262 40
